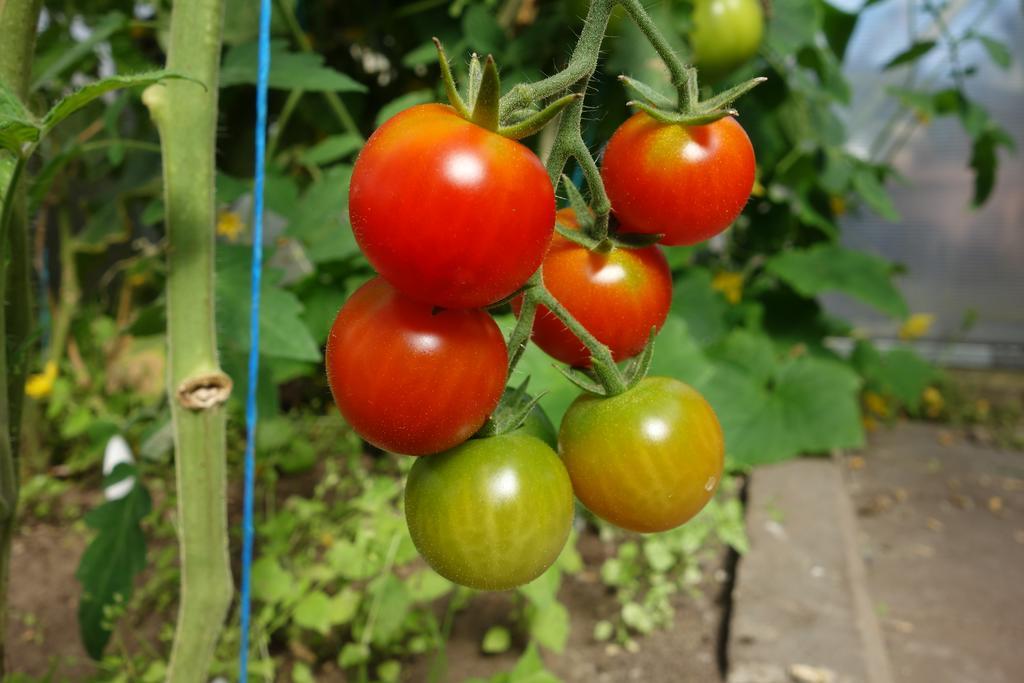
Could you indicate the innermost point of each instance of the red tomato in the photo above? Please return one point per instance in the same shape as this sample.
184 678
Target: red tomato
448 212
618 296
687 182
409 379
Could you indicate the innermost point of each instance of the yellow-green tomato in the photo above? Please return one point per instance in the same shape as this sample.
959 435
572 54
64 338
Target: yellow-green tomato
726 33
646 460
492 513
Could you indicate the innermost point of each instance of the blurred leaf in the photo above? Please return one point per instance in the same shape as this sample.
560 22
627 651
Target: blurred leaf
794 24
392 602
637 618
997 51
700 305
482 31
985 162
331 149
496 640
115 556
71 55
865 181
353 654
427 585
900 373
270 583
838 26
343 606
549 626
314 612
830 267
912 53
282 332
320 219
288 70
400 104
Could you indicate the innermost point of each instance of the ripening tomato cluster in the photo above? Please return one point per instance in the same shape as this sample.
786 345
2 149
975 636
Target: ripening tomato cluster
455 217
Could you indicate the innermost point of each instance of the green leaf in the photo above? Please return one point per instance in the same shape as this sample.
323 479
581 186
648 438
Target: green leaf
703 308
496 640
543 590
320 218
530 669
351 561
115 556
332 149
900 373
314 612
301 673
353 654
997 51
866 182
985 162
794 24
392 603
482 31
427 585
389 671
658 556
400 104
80 98
549 626
14 133
830 267
282 332
748 352
912 53
75 51
270 582
637 618
288 70
343 606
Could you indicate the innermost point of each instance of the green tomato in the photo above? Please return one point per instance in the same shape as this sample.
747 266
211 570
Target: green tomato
492 513
646 460
726 33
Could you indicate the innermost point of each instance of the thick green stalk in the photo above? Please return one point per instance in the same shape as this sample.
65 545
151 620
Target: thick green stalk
186 116
18 19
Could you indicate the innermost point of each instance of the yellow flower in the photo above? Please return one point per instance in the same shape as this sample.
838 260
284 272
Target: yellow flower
876 403
230 225
837 204
933 402
40 385
729 284
757 190
916 326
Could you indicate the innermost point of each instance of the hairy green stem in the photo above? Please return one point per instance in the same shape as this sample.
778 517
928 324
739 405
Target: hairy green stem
185 113
684 78
18 20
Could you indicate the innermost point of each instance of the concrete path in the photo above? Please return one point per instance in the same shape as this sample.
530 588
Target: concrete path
900 564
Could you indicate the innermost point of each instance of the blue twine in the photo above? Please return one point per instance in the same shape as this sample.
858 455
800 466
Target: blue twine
254 338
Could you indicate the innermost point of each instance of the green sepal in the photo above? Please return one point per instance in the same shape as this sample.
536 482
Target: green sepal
580 238
724 99
511 413
534 123
485 107
584 215
473 82
449 82
676 118
647 92
635 240
582 381
637 368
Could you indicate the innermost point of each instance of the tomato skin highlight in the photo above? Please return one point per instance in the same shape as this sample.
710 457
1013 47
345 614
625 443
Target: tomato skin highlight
726 34
448 212
490 514
686 182
646 460
618 296
408 379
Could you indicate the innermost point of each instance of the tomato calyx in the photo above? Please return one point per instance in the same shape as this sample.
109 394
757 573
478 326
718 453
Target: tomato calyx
482 102
513 409
690 110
